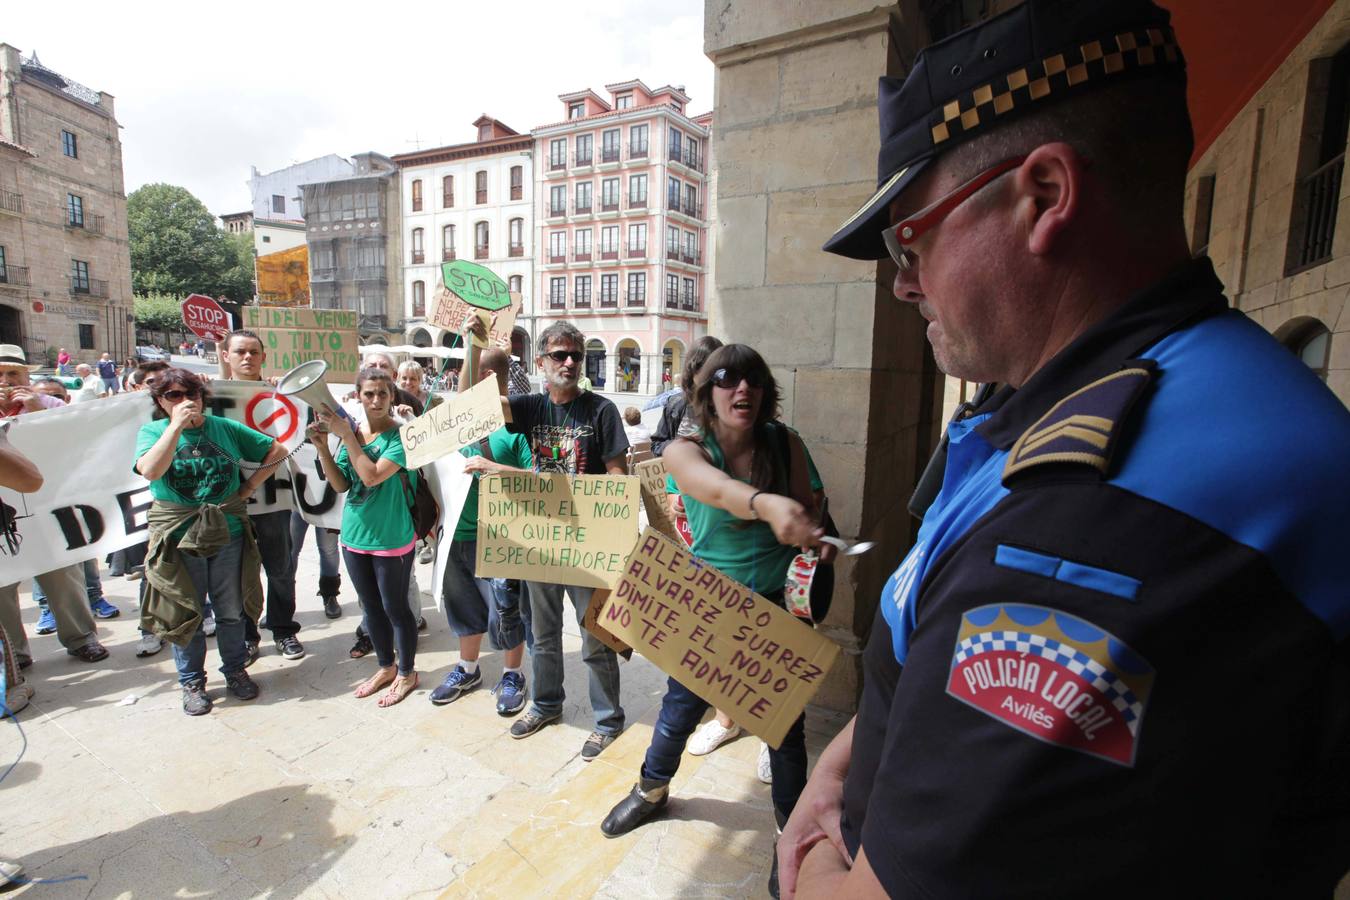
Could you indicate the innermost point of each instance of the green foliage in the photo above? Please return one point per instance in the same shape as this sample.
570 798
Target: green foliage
159 312
177 249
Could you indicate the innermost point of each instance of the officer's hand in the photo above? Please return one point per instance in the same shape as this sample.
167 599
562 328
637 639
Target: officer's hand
815 818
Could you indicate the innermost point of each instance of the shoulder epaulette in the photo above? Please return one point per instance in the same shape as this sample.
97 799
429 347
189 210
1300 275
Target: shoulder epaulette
1083 427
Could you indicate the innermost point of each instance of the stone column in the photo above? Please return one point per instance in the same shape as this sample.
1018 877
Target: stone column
795 140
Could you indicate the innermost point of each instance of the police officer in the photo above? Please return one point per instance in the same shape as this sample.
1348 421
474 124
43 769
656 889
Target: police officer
1115 660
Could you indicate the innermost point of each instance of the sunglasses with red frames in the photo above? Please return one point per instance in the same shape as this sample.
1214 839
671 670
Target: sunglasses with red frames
731 379
559 356
898 237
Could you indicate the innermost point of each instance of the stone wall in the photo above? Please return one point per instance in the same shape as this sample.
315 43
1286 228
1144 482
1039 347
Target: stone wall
796 140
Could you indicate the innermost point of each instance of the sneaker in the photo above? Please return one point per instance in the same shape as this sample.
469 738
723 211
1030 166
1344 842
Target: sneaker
510 693
332 608
595 745
711 736
90 652
241 685
421 623
104 610
195 701
9 872
16 698
531 722
149 645
251 653
456 684
762 768
427 555
289 647
46 622
209 625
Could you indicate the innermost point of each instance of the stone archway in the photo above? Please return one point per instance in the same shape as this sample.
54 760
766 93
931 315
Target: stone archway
628 366
595 362
672 361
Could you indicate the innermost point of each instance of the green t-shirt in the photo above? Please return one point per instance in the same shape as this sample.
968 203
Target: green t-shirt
205 463
816 483
509 450
377 518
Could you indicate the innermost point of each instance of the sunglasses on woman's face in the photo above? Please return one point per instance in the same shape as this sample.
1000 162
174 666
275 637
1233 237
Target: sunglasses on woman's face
562 356
175 395
731 379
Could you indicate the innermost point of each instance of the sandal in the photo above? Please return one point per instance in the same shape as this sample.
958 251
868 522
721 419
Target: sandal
381 679
400 689
362 647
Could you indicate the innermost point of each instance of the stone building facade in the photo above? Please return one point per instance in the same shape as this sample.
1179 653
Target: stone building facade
65 262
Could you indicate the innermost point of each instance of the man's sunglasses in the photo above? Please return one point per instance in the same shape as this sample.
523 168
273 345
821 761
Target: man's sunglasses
732 378
559 356
175 395
899 236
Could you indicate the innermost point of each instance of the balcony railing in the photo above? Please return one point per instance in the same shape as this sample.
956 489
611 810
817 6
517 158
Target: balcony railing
609 205
672 253
15 276
609 300
637 151
480 196
447 200
321 274
515 250
557 258
582 301
517 191
418 257
637 252
556 164
672 299
694 259
583 160
369 273
609 154
86 222
1318 197
674 153
672 203
557 303
447 254
89 287
480 252
609 254
692 161
417 204
637 202
693 209
556 211
579 210
11 201
688 305
635 298
581 256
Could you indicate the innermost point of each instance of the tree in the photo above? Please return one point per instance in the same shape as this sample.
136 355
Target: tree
176 247
160 312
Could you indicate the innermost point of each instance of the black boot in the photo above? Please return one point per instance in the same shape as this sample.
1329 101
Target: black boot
780 820
329 586
647 798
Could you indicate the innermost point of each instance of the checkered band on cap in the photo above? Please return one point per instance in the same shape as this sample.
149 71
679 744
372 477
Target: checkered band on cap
1053 76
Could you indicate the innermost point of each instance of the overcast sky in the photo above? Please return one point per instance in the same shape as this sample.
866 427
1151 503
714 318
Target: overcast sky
206 91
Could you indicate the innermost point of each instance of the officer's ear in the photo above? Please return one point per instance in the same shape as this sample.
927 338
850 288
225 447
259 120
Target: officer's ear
1049 188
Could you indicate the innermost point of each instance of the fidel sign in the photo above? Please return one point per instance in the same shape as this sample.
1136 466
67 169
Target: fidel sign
295 336
558 529
730 646
462 420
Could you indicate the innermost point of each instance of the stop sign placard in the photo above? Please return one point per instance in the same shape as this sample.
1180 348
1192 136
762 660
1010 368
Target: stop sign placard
206 318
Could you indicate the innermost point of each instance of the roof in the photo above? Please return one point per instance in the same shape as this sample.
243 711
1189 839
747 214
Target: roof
485 119
19 147
463 151
636 111
672 90
625 85
247 212
34 68
582 95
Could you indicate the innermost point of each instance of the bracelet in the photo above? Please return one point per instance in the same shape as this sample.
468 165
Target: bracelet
754 514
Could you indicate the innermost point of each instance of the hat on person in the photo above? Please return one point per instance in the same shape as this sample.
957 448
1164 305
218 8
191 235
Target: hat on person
13 355
1022 60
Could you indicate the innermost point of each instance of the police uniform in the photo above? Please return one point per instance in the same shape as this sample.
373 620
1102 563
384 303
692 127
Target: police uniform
1115 661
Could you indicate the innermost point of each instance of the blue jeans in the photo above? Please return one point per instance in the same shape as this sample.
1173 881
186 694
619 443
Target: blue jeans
273 531
475 605
381 583
327 542
546 610
682 710
220 576
93 585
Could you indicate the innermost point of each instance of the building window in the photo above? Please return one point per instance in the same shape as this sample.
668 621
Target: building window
582 291
557 200
609 146
576 109
517 182
267 239
515 230
609 194
1204 211
689 303
417 195
69 145
623 101
585 146
86 337
1321 162
4 268
279 203
447 243
672 292
419 299
691 207
637 141
676 142
637 239
74 211
609 290
581 244
557 154
583 198
609 242
480 240
418 254
672 242
691 153
557 293
1310 341
637 191
557 246
447 192
79 276
673 194
514 283
480 187
637 288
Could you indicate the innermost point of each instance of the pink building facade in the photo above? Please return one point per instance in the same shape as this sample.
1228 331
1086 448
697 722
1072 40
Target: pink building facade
622 230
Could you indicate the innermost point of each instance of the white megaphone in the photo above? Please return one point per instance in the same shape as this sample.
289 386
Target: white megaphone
306 382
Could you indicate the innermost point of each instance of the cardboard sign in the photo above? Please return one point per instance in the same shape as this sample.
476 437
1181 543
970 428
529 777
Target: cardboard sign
652 474
733 648
461 420
295 336
477 285
449 312
591 622
557 529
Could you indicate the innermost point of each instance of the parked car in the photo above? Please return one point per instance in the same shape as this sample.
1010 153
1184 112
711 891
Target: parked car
151 354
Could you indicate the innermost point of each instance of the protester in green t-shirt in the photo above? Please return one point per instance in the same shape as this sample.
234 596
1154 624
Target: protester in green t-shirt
192 459
475 606
377 535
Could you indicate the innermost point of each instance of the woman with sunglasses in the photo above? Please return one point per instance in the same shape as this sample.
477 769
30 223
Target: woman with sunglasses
377 535
201 540
747 494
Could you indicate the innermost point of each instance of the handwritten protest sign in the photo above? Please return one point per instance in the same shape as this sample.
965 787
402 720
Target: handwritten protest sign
462 420
591 622
655 500
449 311
558 529
294 336
729 646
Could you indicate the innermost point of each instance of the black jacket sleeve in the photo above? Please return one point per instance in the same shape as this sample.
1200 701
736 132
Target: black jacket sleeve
669 426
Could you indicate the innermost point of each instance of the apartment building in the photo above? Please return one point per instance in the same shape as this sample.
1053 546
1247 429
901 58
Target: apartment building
65 262
622 229
468 201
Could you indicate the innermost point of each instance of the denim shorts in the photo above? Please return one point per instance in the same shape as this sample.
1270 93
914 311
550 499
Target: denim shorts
473 605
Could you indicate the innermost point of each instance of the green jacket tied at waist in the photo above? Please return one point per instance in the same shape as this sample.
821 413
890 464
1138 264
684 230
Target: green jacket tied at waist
171 608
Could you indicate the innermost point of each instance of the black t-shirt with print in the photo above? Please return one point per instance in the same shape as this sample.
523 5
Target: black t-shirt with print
571 438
